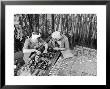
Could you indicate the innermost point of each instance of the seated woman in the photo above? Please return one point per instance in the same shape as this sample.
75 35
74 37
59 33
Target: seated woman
32 44
60 42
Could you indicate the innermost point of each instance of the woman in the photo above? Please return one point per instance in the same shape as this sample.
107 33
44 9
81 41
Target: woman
60 42
32 44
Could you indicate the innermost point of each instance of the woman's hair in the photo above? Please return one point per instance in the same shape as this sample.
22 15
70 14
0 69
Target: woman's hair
56 35
35 30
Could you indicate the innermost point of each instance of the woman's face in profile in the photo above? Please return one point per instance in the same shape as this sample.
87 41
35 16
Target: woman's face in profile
58 39
34 38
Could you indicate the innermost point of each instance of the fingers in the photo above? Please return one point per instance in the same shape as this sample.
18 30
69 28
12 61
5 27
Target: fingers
38 52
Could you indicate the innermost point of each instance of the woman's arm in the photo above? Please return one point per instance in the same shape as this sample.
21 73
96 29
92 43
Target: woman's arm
28 50
62 49
66 43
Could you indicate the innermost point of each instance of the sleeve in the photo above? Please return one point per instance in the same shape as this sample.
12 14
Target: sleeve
66 43
42 41
26 44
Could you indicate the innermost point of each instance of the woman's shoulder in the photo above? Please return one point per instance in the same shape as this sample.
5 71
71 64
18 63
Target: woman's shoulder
28 41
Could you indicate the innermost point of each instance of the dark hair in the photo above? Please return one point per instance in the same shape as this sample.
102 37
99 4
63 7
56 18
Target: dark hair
35 30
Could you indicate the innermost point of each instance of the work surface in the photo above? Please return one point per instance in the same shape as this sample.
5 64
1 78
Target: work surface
81 61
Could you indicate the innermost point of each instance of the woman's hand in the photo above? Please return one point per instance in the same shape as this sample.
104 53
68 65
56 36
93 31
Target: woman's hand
38 52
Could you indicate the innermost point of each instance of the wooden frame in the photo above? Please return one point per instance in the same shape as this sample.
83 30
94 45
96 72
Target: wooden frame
4 3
